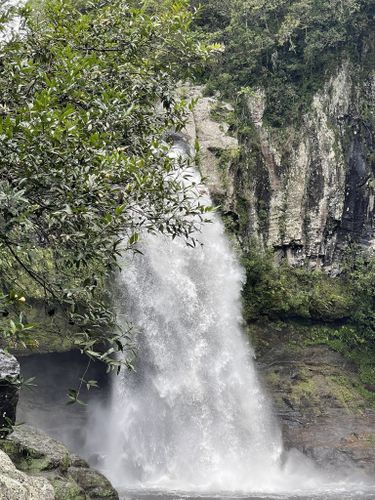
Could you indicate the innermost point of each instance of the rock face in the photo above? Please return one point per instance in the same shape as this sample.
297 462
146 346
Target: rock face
309 190
316 397
69 477
219 148
304 190
9 390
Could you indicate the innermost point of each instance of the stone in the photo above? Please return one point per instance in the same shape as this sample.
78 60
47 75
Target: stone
16 485
218 147
44 452
9 391
93 483
67 490
33 452
315 396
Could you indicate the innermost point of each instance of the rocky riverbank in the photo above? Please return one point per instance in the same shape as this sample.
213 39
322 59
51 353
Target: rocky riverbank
71 478
318 397
32 464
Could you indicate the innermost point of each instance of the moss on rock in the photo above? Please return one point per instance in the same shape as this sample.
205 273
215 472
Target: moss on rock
67 490
317 394
35 453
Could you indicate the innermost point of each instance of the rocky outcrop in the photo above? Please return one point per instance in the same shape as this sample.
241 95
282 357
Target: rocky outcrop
305 190
9 391
317 397
36 454
208 127
16 485
309 189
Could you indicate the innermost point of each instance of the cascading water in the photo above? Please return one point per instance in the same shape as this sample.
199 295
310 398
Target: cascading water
193 415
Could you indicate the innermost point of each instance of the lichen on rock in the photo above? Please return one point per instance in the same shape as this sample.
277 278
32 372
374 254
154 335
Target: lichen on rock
35 453
16 485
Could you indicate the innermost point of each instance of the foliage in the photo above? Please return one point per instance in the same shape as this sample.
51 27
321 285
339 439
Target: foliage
349 341
87 101
335 311
283 291
359 268
286 47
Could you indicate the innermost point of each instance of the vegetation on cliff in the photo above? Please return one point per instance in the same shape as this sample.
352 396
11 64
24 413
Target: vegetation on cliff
335 311
288 50
286 47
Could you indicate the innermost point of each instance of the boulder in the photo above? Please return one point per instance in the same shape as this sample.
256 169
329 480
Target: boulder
16 485
33 452
9 390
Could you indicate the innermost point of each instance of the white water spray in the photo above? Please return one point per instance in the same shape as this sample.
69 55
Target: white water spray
193 416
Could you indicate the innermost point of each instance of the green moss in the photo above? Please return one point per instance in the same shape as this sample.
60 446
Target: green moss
11 448
67 490
272 378
304 391
348 341
283 291
345 391
220 113
25 459
34 465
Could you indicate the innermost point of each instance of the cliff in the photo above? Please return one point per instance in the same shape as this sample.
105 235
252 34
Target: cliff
307 190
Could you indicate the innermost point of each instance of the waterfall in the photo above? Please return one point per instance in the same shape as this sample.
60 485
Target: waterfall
194 413
193 416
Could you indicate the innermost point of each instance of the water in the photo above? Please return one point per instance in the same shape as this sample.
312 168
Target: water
194 414
354 495
194 417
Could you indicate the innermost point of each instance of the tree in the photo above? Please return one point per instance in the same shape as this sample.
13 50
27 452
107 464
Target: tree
86 104
287 47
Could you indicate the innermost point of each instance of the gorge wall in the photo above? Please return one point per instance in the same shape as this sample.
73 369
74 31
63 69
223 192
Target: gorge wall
313 189
306 190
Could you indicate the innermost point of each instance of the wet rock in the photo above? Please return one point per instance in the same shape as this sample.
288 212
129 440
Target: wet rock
316 396
92 482
9 391
219 149
33 452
